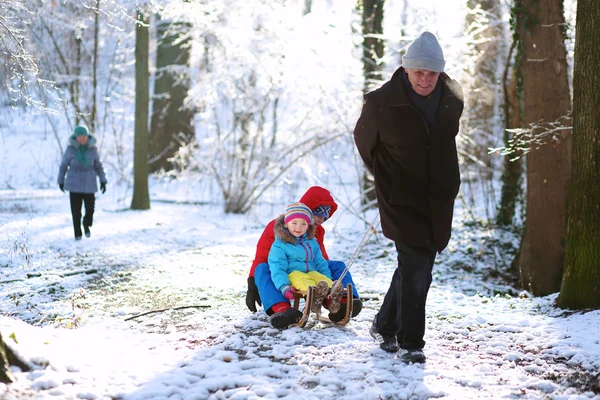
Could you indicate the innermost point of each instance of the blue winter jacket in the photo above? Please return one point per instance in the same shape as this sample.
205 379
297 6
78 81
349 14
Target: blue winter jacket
289 253
81 178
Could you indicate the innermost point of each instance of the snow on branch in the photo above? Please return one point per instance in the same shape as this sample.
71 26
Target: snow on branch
537 135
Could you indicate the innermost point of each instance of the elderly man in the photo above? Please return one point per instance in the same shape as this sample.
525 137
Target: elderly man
406 137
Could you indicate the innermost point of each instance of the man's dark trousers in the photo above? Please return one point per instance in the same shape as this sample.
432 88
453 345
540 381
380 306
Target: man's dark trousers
403 310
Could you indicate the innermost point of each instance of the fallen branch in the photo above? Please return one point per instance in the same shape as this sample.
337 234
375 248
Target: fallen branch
165 309
61 274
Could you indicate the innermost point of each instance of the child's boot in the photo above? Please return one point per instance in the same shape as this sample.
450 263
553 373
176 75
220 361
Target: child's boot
319 294
283 320
335 299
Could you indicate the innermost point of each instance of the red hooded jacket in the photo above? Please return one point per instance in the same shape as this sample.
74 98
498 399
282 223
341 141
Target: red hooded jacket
314 197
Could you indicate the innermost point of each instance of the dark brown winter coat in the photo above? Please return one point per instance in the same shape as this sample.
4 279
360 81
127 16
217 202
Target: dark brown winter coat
415 168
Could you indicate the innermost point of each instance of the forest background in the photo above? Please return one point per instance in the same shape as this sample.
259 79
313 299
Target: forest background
242 103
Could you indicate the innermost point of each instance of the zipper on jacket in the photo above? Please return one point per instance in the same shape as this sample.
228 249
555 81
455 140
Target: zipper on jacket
307 254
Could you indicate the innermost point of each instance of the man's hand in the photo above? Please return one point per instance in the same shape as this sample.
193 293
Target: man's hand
62 187
103 187
288 292
252 296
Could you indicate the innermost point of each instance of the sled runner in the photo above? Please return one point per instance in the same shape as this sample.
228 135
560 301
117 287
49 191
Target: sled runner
308 297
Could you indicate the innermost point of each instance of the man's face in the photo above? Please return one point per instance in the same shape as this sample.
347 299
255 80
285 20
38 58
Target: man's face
422 81
318 220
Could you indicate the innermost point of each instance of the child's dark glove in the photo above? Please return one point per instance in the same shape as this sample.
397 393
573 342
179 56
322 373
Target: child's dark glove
62 187
103 187
252 296
288 292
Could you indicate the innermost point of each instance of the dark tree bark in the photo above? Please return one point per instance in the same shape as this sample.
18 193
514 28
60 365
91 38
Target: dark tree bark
373 48
141 197
581 281
512 174
172 124
546 99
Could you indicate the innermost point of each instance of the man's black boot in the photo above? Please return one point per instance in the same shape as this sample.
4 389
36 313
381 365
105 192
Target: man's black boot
387 343
412 356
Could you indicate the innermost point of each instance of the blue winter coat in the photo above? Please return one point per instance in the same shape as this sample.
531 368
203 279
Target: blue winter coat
289 253
81 178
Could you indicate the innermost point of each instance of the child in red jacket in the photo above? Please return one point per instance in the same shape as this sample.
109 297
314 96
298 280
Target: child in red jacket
261 289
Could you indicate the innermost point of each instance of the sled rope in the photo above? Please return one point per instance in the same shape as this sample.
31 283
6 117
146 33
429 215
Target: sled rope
370 230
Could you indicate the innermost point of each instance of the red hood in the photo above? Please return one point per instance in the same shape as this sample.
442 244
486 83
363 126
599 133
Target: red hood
317 196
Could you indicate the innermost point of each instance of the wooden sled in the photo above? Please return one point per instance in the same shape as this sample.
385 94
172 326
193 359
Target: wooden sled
308 296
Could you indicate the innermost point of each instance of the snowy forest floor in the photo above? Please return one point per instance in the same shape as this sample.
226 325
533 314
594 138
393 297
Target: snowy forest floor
72 310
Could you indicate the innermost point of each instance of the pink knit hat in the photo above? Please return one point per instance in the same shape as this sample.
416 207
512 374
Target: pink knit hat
297 210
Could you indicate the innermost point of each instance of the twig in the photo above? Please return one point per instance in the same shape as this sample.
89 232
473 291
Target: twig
165 309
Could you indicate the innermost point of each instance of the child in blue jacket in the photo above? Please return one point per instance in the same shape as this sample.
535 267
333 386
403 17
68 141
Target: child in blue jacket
296 261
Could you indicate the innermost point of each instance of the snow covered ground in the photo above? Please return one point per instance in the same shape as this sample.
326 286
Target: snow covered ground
72 310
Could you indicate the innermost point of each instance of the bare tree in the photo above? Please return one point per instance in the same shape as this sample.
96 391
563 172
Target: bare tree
485 57
20 75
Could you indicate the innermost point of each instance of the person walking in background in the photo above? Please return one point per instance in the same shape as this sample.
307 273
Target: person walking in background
81 164
262 291
296 261
406 138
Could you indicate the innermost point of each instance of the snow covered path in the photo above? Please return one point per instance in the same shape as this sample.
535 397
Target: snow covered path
78 335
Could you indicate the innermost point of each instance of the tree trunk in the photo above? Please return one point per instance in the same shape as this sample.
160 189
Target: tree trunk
172 124
483 66
8 358
94 105
512 174
546 99
141 198
373 48
581 281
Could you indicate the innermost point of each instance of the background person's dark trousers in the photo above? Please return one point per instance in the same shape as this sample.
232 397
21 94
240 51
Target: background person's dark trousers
403 310
76 201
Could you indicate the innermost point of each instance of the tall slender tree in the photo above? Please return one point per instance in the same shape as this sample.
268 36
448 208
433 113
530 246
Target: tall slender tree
171 123
581 281
373 49
546 99
141 198
482 70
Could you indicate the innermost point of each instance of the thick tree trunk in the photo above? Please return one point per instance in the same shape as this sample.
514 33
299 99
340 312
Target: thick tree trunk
141 197
373 48
581 281
172 123
546 99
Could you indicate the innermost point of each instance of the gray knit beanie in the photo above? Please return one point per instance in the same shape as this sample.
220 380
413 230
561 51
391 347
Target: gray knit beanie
424 53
